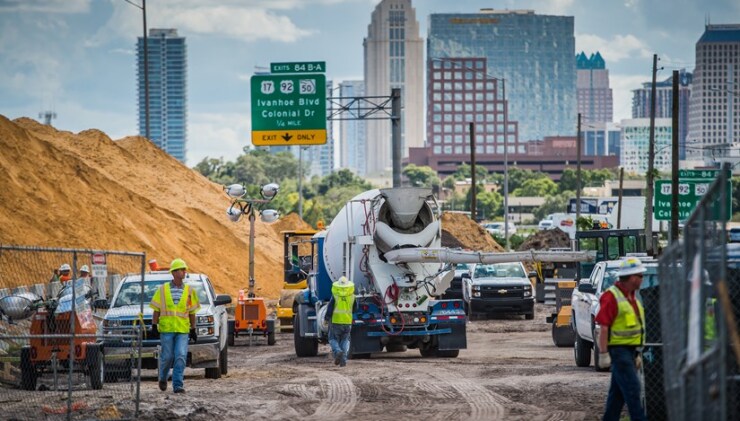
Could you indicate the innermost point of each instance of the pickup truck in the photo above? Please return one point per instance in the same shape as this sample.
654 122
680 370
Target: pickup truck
585 306
210 351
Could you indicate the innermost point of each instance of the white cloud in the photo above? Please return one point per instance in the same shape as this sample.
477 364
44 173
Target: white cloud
45 6
620 47
234 19
217 135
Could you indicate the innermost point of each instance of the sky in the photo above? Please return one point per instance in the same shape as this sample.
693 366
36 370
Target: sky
76 57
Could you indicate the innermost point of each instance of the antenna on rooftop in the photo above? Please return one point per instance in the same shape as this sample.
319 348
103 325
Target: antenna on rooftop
47 116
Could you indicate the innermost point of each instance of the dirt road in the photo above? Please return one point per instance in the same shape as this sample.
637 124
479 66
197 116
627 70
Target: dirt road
511 370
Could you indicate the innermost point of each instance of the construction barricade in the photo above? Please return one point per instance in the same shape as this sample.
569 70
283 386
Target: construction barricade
53 361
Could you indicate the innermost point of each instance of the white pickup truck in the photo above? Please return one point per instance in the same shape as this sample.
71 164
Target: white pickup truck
210 351
585 306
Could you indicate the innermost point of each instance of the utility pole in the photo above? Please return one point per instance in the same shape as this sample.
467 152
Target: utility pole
650 176
146 71
300 182
396 135
578 172
473 192
506 163
674 160
621 194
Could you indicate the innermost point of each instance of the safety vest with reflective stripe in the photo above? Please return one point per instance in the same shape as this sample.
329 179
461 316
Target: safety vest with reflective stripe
627 328
344 299
174 318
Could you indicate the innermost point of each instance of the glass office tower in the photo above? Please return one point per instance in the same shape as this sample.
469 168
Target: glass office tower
167 91
534 53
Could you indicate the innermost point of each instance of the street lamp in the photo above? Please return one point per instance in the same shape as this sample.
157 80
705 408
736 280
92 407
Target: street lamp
246 206
506 137
146 66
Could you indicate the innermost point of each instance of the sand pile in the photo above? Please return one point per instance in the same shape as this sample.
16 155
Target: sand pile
545 240
460 231
61 189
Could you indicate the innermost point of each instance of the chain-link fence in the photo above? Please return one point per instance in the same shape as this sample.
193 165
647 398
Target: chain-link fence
53 360
699 306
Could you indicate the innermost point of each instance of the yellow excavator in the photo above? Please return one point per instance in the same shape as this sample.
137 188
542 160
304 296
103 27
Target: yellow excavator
298 262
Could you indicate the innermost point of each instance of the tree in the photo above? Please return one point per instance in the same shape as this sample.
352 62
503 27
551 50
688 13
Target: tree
343 177
423 176
553 204
536 187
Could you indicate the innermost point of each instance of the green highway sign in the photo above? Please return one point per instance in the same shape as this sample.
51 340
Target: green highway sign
288 109
299 67
692 186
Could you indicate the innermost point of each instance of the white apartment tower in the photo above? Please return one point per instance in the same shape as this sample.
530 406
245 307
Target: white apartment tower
713 111
394 58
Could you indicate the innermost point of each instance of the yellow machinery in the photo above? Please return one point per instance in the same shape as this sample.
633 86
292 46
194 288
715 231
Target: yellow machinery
298 262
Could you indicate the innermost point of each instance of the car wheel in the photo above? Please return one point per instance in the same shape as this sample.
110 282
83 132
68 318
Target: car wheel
28 371
95 366
529 316
582 352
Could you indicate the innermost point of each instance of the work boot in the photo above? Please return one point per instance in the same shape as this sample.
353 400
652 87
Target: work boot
343 362
163 385
338 358
179 390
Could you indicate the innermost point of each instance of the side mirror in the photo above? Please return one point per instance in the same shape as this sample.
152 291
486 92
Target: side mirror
101 303
465 275
222 299
587 288
532 274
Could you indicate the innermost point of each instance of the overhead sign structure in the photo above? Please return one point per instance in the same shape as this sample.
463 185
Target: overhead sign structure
692 186
288 109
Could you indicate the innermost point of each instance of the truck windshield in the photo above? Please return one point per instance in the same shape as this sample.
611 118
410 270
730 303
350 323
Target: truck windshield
499 270
130 293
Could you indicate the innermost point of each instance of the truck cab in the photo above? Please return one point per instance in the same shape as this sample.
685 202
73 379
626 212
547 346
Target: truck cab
125 312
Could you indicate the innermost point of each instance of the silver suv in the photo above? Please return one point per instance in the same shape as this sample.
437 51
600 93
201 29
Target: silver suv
209 351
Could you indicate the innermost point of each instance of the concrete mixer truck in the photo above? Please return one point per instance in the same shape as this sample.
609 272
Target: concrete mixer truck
388 243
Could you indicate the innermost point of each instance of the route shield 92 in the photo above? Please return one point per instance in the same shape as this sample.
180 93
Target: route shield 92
288 109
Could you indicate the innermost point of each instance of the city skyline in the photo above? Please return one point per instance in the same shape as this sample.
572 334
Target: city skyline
77 57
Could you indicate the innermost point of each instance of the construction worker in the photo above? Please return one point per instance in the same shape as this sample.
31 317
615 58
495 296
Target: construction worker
175 305
339 314
65 272
621 318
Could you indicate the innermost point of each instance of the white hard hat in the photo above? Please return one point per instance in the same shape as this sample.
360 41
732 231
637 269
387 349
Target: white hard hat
64 267
631 266
84 268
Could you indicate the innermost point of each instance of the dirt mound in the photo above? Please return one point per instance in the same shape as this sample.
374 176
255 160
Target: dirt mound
85 190
547 239
460 231
290 222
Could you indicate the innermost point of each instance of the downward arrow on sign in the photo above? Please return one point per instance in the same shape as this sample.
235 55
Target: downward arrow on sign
287 137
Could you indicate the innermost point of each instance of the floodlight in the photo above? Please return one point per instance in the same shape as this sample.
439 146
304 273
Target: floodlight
269 191
235 190
269 215
234 213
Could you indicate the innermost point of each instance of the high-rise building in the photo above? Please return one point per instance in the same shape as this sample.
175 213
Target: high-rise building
393 51
635 143
167 59
460 92
664 104
713 110
601 139
534 53
595 102
352 140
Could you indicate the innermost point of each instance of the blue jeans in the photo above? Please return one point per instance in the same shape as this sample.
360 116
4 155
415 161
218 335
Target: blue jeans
624 387
174 355
339 340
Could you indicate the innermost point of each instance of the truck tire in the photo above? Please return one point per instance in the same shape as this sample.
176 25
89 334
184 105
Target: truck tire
395 348
223 360
95 366
582 352
449 353
28 371
304 347
562 336
529 316
115 372
270 332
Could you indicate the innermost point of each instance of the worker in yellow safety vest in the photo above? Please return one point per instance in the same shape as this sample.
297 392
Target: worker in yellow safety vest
339 314
175 305
622 321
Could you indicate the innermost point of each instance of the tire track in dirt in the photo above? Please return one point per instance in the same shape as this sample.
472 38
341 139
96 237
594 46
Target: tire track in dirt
338 394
